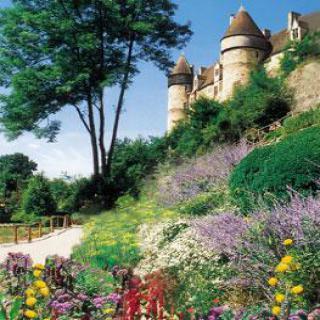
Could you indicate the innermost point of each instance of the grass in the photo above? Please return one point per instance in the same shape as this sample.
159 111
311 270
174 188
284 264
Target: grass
296 123
111 238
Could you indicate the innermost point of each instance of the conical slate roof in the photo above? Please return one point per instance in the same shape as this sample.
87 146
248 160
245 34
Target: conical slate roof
243 24
182 66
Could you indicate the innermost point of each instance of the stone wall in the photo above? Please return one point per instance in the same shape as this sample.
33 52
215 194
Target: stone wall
273 64
177 103
305 84
237 65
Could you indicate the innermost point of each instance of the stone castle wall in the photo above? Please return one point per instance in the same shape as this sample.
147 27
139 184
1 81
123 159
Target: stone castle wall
305 85
237 65
178 101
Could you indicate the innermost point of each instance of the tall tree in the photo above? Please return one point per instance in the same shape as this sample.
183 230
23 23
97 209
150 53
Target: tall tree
63 53
148 32
55 55
15 169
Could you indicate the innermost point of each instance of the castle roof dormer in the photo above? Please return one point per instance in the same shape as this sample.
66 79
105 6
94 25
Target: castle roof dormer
182 66
243 32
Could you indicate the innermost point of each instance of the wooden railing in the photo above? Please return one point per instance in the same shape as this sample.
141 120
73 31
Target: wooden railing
256 135
53 222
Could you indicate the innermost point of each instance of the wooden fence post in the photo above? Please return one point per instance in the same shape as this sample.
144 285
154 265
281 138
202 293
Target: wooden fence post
65 222
29 233
15 231
40 229
51 224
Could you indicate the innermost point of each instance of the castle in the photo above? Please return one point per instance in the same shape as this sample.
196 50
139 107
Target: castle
243 46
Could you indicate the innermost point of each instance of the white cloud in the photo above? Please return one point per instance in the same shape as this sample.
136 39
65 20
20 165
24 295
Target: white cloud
70 154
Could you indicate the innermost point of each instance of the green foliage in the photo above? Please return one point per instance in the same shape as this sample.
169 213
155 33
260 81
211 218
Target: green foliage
37 198
302 121
215 200
133 160
11 312
188 138
15 170
298 51
94 283
262 101
111 238
267 172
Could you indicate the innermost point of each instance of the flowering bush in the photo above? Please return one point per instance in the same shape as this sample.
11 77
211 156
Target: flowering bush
55 290
201 174
196 271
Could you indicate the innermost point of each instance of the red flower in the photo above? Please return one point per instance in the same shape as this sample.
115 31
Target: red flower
190 310
216 300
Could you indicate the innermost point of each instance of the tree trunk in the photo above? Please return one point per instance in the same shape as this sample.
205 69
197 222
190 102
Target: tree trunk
124 84
93 137
103 153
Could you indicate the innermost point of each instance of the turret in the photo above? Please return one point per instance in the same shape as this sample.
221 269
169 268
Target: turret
242 47
180 85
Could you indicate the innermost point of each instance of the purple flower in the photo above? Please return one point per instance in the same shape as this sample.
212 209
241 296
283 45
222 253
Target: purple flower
201 174
99 302
222 233
114 298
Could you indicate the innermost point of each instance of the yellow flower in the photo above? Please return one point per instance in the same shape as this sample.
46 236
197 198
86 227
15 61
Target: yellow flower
297 289
282 267
29 292
287 259
40 284
276 310
273 282
39 266
30 314
37 273
44 291
108 311
280 297
30 302
288 242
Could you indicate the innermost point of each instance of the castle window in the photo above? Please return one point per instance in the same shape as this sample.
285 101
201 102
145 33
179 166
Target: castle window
257 54
295 33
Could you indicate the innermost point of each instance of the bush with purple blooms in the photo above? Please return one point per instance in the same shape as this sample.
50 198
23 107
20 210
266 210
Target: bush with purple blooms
201 174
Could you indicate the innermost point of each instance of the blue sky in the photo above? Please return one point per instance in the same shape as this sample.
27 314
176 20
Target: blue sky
146 101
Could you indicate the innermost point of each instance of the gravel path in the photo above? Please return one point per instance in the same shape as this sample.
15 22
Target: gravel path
60 243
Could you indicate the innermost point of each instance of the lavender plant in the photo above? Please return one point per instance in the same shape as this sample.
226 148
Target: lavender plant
201 174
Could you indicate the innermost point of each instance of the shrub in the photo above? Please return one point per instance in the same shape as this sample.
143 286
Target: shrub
302 121
133 161
187 138
262 101
267 172
196 272
263 246
217 199
37 198
201 174
299 51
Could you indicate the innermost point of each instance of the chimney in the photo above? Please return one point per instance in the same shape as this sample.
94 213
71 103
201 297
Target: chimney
201 70
292 16
267 33
232 16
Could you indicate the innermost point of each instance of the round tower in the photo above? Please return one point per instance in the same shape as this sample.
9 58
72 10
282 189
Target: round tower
180 85
242 48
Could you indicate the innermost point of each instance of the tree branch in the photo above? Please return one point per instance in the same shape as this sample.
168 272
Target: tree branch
82 118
